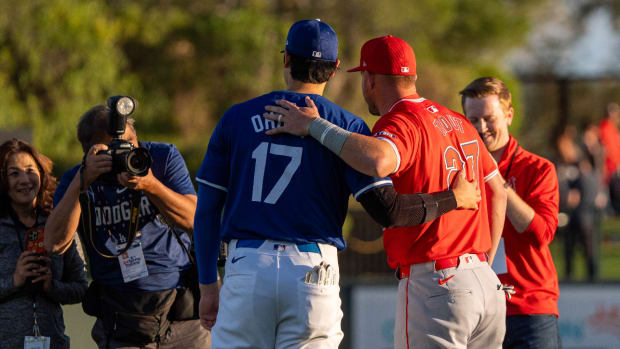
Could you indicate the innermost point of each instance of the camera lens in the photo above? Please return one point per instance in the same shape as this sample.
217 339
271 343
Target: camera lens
125 106
138 162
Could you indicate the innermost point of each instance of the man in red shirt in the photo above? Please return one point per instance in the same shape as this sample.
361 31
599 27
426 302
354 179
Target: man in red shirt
532 218
448 296
610 138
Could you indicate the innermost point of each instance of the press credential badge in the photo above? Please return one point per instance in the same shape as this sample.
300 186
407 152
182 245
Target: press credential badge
38 342
132 263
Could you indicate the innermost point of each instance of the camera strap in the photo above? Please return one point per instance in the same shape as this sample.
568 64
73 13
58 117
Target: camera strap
177 235
87 223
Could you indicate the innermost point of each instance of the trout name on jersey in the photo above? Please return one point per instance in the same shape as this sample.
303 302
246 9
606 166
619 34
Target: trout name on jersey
448 123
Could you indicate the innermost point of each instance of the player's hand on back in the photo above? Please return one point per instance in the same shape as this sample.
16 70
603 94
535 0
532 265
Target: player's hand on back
209 304
467 193
293 119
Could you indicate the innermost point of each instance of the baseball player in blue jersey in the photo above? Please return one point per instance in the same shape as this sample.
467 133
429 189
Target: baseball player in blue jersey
284 201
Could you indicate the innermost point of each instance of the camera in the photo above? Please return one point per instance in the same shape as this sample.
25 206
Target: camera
125 157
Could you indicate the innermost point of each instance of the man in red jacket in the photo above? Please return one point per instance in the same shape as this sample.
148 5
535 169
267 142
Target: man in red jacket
532 188
610 138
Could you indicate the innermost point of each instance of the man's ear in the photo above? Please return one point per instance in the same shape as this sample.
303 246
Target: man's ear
371 78
334 72
509 115
287 59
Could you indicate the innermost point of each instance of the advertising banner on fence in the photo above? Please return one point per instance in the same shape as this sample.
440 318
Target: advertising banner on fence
589 316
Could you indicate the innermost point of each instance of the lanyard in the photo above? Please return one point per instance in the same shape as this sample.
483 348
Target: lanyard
512 159
35 327
18 224
87 223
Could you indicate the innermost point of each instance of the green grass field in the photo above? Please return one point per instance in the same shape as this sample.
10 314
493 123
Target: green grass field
78 327
610 254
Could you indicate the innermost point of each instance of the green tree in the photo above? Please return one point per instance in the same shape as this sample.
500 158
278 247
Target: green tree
57 59
187 61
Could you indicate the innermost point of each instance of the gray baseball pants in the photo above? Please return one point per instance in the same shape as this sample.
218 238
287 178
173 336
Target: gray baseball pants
456 307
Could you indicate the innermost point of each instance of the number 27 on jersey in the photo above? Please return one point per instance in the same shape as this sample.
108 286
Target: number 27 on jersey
454 162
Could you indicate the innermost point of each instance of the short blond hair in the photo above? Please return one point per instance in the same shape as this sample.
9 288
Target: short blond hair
488 86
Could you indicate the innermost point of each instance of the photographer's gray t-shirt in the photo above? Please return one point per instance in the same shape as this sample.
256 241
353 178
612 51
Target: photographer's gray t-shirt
165 258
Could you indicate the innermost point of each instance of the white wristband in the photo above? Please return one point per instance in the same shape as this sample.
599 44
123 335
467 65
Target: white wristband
328 134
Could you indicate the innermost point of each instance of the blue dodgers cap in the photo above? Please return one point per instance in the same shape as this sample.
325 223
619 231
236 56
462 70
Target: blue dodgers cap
313 39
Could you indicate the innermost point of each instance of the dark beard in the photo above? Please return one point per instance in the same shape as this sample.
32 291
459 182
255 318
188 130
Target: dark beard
372 109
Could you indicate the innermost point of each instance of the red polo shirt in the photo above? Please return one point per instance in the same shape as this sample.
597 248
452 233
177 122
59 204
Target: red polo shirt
432 143
610 138
530 266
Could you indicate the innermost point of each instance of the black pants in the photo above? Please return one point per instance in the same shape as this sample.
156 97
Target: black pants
183 334
583 230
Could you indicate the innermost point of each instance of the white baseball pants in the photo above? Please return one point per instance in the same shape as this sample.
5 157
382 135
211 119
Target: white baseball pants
265 302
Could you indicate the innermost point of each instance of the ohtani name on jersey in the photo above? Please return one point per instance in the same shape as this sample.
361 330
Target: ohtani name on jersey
261 124
448 123
106 215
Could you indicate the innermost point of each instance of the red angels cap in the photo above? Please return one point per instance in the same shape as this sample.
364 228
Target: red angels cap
387 55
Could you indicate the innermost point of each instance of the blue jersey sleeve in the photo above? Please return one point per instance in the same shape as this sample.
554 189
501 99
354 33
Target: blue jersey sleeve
64 183
176 174
358 182
207 231
214 170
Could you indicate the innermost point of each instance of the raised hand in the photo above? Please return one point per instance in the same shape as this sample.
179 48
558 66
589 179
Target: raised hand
96 165
291 118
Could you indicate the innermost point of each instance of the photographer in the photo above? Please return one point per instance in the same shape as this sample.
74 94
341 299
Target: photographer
136 290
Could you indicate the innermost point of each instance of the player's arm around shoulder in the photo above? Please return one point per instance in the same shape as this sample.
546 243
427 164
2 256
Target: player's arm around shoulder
369 155
366 154
391 209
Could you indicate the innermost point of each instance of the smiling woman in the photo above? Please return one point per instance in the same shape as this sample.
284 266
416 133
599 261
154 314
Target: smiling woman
26 179
32 284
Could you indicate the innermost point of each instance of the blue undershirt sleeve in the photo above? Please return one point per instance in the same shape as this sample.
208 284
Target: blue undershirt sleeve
207 231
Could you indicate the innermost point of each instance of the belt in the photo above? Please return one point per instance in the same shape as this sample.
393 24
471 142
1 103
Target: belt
308 247
440 264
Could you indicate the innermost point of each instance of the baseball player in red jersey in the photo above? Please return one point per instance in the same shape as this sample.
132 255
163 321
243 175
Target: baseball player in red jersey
532 218
448 296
